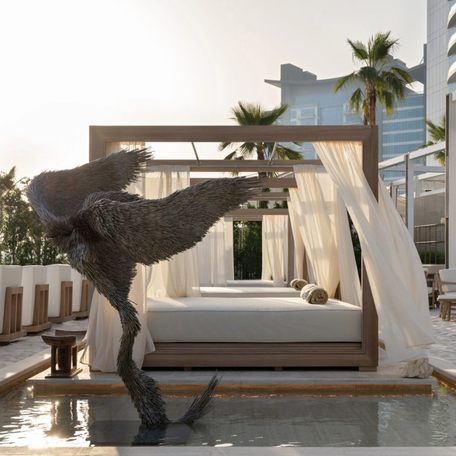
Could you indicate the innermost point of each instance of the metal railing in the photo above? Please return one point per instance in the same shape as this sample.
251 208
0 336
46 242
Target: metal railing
430 242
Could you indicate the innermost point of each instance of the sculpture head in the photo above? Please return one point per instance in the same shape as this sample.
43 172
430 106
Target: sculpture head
68 233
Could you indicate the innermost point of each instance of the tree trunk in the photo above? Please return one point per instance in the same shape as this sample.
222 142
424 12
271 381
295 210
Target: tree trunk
260 156
372 104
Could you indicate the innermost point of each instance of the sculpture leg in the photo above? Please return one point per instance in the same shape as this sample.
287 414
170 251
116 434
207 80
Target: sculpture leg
143 389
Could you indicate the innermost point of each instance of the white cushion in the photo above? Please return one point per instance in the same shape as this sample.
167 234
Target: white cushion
450 296
448 275
31 276
249 291
266 319
10 276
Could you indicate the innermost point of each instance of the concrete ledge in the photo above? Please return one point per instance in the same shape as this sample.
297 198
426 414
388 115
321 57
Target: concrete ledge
312 383
18 372
444 371
232 451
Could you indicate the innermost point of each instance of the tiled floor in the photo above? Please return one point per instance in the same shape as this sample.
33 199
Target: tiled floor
445 334
445 348
28 346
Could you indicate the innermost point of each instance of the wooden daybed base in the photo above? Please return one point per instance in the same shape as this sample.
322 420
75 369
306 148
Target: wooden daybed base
187 355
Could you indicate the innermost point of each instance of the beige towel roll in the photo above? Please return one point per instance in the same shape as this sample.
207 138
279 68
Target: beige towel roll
298 284
314 294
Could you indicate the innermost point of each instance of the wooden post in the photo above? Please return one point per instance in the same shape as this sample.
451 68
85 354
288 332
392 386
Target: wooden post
291 254
370 318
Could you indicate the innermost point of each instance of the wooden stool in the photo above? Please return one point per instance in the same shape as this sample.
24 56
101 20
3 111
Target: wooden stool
64 356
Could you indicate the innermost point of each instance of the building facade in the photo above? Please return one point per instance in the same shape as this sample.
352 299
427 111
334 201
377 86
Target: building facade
440 56
312 101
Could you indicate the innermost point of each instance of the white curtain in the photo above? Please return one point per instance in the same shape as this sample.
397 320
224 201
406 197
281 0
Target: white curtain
350 287
104 328
179 275
392 262
211 253
275 248
299 249
229 249
324 230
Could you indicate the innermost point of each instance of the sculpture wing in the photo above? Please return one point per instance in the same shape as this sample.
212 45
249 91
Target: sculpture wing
62 193
149 231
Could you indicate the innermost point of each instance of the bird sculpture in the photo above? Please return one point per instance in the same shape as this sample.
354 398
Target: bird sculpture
105 231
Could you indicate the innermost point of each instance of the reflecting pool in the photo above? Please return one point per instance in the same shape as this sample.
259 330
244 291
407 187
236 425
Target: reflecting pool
233 421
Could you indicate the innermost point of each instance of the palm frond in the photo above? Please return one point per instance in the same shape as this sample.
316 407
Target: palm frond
282 153
356 100
225 145
440 157
369 75
393 84
436 132
269 117
359 50
403 74
387 99
246 149
380 47
346 80
231 156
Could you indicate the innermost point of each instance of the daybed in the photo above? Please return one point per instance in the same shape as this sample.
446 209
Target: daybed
256 331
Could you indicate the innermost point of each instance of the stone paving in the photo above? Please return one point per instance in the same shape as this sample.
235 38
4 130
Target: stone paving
445 334
28 346
445 348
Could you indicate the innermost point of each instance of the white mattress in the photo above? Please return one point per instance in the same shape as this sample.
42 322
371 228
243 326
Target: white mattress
261 320
248 292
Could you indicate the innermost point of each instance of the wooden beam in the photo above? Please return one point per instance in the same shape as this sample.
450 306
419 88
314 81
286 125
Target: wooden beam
271 196
99 136
273 182
239 166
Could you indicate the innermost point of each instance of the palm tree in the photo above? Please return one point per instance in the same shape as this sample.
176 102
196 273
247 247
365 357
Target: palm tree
254 114
378 78
437 133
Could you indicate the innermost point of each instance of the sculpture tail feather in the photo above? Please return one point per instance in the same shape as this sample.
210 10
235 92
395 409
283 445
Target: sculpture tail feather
199 406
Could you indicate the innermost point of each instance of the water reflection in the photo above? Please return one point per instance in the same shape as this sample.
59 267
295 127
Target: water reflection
233 421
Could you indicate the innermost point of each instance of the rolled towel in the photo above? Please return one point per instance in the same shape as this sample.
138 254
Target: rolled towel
314 294
298 284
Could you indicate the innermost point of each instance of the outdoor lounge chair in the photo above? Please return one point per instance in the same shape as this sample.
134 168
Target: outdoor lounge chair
81 295
35 299
60 292
10 303
447 288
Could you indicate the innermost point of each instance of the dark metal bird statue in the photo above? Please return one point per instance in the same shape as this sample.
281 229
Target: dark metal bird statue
105 231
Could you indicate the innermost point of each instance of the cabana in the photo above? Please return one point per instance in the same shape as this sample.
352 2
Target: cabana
360 350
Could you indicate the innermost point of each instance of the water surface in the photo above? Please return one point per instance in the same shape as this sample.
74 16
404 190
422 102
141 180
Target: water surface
234 421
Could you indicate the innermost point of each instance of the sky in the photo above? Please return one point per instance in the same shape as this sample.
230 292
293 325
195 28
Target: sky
67 65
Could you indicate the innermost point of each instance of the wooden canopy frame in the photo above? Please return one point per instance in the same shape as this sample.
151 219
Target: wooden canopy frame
364 354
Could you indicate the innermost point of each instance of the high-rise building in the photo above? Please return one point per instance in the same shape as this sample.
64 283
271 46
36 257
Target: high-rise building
440 56
312 101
